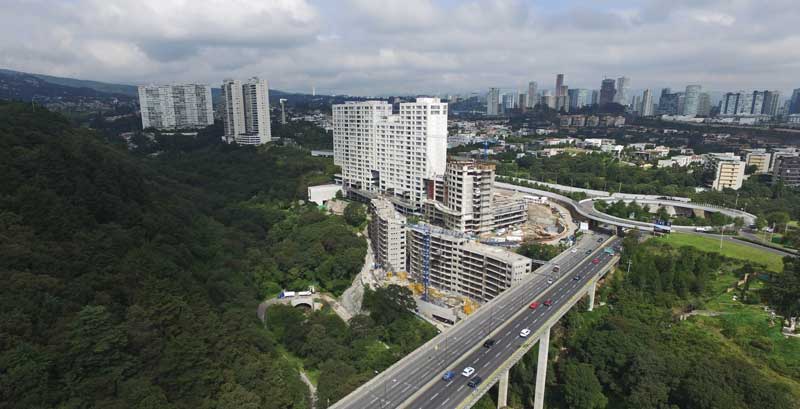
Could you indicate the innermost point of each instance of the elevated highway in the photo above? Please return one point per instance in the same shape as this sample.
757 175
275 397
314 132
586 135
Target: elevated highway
415 381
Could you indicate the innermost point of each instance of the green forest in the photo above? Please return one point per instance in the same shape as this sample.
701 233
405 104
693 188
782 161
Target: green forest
131 279
634 352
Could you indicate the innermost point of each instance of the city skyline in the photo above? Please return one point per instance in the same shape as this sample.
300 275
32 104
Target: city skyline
418 47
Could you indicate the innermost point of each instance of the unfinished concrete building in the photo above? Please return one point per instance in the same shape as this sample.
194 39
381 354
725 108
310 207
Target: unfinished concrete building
387 234
462 265
464 200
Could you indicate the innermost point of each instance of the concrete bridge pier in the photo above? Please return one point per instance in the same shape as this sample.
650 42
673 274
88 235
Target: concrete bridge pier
502 391
541 369
592 290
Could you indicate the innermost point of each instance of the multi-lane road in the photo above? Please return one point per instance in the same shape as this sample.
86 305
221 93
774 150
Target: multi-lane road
415 381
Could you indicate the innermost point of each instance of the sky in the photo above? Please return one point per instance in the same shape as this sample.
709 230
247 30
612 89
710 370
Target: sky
389 47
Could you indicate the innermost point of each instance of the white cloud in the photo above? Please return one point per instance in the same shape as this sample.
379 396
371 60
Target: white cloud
408 46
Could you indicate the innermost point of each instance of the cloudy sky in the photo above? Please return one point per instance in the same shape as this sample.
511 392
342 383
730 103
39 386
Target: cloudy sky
372 47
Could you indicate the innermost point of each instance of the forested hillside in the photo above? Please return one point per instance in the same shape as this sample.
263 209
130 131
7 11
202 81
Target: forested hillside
131 281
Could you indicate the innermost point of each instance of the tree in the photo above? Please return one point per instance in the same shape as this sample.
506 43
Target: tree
582 389
783 289
779 220
355 214
389 303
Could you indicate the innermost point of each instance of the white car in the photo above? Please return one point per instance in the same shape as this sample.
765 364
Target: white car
549 281
524 333
574 250
468 371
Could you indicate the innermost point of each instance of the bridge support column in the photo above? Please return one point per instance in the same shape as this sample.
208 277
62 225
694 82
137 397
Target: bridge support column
592 290
541 370
502 391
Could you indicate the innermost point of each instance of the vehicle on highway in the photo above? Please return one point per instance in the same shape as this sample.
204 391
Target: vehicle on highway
576 278
488 344
574 250
595 260
588 252
449 375
524 333
556 268
548 303
600 240
609 251
468 371
549 281
475 382
534 305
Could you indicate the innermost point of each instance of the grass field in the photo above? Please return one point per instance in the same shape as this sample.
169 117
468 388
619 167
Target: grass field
730 249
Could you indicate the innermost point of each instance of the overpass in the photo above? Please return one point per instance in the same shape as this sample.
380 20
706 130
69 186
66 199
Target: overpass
586 209
416 380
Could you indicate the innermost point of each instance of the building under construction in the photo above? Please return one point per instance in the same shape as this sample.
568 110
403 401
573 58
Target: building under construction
464 200
387 233
451 261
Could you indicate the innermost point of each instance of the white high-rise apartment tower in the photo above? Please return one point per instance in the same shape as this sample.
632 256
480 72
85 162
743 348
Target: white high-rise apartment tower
394 153
246 111
183 106
623 94
493 102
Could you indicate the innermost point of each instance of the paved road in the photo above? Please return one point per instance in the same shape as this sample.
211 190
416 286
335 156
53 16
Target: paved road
485 361
411 374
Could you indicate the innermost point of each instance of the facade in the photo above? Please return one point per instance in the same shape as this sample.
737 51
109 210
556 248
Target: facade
794 102
559 85
745 104
493 102
183 106
607 91
533 94
759 158
647 103
246 111
461 265
387 234
787 171
691 102
670 103
395 154
623 94
704 106
728 171
579 98
771 101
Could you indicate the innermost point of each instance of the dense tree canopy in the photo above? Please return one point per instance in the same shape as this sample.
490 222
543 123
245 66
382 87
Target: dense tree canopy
132 281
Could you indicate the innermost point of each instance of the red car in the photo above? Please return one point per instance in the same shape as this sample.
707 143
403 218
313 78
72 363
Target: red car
548 303
534 305
595 261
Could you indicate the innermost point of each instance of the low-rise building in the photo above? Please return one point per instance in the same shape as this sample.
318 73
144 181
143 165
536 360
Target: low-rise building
728 171
461 265
759 158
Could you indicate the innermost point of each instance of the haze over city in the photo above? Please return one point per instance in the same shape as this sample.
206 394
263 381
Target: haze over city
363 47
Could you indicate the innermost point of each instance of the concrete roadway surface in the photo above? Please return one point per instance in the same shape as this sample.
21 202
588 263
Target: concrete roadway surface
444 395
399 382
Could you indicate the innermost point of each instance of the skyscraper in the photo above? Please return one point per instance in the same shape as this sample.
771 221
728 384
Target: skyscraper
647 103
533 94
704 106
691 100
246 111
595 97
730 101
493 102
380 151
578 98
559 85
794 102
622 95
771 99
758 103
745 104
523 101
607 91
182 106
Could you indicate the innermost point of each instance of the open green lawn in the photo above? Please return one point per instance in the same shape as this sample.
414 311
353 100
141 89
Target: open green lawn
730 249
751 330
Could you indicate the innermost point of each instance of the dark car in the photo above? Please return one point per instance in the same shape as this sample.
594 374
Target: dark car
588 252
475 382
600 240
576 278
488 344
